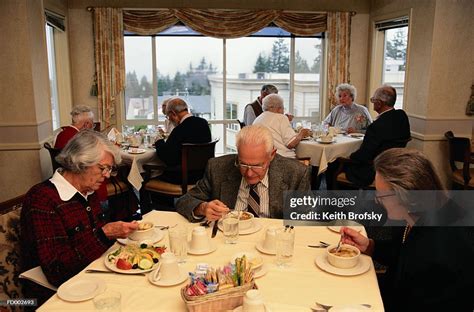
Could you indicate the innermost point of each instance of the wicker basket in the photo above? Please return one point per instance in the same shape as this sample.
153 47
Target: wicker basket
222 300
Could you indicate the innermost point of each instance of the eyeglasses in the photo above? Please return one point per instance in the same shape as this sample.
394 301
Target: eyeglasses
373 100
249 167
378 198
108 170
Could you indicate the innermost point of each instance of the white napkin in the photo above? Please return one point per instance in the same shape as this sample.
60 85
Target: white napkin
36 275
115 136
332 131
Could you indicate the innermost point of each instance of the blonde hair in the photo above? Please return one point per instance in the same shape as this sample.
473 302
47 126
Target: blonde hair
255 135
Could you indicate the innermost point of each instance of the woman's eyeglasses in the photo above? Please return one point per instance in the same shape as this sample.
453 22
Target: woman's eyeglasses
108 170
378 198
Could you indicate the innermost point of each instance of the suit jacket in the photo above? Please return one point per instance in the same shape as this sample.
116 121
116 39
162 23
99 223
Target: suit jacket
252 111
222 181
387 131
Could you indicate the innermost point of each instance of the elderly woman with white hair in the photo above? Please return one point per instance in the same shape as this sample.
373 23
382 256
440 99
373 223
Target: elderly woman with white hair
348 115
284 137
63 228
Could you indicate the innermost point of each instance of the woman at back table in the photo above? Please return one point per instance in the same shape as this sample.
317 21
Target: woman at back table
63 228
430 266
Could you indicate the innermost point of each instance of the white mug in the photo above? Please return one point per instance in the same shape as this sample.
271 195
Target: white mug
168 268
199 239
269 242
253 301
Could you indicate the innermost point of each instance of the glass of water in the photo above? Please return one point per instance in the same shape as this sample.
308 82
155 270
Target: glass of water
178 236
108 301
285 246
230 224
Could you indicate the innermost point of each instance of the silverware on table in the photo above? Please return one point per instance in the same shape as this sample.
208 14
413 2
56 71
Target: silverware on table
165 227
319 307
214 229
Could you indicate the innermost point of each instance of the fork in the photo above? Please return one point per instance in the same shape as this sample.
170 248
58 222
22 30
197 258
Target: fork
165 227
319 307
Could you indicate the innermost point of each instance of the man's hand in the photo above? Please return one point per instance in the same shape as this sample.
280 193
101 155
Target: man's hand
119 229
212 210
351 130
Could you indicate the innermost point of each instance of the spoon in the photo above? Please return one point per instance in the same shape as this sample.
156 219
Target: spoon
165 227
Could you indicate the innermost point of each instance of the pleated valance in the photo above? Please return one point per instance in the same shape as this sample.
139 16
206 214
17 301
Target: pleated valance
224 23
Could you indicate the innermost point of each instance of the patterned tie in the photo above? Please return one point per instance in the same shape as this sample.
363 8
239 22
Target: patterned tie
253 201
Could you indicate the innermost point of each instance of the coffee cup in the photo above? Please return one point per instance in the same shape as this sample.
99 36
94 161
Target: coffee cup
253 301
269 243
199 239
167 268
144 231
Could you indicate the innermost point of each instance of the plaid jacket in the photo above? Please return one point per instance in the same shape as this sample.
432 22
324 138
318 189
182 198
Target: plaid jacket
61 237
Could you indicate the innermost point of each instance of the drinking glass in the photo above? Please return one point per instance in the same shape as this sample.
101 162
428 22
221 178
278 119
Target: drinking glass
285 245
178 236
230 224
108 301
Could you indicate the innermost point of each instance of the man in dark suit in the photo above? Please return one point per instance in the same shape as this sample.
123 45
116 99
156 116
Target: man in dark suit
188 129
256 173
390 129
254 109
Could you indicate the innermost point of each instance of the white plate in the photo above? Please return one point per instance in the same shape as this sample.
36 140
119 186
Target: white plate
111 266
322 142
136 151
262 249
260 272
81 289
356 135
183 275
256 226
212 248
362 266
252 257
155 238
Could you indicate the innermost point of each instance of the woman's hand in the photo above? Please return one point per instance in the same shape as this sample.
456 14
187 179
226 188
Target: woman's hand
354 238
119 229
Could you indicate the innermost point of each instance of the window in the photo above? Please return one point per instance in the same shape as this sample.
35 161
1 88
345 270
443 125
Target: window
181 62
395 41
53 82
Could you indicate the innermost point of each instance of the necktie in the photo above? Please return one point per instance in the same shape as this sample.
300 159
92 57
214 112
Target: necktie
253 201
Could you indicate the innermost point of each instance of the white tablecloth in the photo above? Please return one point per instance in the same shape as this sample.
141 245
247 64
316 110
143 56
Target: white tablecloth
288 289
136 162
322 154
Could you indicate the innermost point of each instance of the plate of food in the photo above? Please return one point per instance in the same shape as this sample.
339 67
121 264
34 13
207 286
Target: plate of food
136 150
356 135
134 258
325 141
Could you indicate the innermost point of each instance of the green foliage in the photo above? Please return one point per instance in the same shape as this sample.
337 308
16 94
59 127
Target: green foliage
301 66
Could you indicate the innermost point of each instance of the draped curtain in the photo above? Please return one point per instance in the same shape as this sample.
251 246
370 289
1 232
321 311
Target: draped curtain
338 34
109 62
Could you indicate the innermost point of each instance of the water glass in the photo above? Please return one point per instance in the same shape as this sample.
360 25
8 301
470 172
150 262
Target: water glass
285 246
108 301
230 224
178 236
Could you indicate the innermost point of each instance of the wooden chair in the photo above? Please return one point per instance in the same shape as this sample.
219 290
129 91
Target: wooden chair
53 152
460 151
342 182
194 157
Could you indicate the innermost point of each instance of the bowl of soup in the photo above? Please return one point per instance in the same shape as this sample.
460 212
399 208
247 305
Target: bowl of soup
145 231
245 221
345 258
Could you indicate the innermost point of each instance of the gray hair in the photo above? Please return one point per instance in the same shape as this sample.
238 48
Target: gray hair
255 135
81 112
348 88
164 104
86 149
387 94
272 101
176 105
269 88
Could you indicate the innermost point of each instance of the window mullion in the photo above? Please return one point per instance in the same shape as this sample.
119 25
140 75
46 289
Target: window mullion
292 75
154 80
224 88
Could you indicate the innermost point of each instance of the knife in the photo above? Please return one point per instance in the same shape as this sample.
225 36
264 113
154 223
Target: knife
214 229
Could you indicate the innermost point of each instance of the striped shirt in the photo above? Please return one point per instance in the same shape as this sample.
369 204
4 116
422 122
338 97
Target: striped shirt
262 189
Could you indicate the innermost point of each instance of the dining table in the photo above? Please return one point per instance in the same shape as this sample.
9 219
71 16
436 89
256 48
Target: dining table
322 153
293 288
136 158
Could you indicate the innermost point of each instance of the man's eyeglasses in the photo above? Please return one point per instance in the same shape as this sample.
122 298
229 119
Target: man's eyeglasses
245 167
378 198
373 100
108 170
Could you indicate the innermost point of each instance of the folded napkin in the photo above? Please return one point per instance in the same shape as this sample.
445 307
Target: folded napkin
332 131
36 275
115 136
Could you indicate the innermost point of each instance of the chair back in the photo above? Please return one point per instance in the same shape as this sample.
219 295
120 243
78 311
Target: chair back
459 150
53 152
194 157
241 124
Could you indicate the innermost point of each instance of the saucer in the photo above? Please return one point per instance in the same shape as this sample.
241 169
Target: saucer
356 135
256 226
136 151
261 271
183 275
262 249
212 248
155 238
323 142
81 289
362 266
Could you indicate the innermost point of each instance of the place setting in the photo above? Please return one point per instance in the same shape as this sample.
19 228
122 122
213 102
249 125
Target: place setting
168 272
81 289
268 244
243 220
200 243
134 259
146 233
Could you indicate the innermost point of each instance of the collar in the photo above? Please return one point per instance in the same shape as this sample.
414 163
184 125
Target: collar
72 126
259 101
384 112
349 107
264 181
65 189
184 117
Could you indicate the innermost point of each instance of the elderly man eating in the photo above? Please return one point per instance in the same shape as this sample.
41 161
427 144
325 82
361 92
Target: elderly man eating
255 175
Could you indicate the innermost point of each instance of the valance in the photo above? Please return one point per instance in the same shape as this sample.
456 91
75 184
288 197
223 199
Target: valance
224 23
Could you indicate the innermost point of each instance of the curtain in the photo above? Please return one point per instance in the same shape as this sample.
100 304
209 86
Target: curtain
109 62
338 34
223 23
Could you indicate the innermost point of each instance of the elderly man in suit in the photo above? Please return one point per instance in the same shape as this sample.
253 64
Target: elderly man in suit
252 180
254 109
